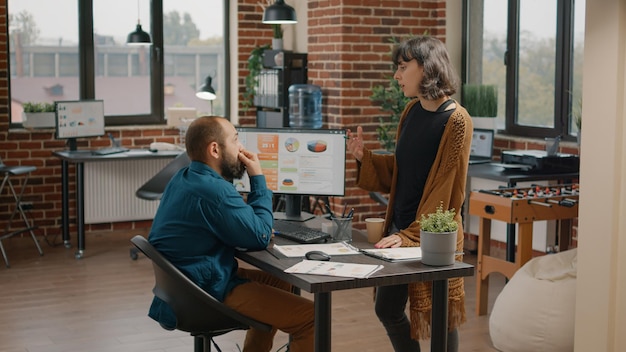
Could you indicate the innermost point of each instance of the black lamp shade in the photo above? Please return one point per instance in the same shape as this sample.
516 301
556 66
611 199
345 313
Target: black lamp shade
138 36
279 13
207 92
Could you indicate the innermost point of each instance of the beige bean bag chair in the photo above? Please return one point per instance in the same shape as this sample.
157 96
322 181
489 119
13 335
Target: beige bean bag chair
535 310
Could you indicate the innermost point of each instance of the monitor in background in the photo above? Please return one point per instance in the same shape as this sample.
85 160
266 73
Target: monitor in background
296 163
482 146
79 119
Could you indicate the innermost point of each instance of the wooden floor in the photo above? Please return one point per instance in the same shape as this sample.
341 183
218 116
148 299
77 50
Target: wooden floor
56 303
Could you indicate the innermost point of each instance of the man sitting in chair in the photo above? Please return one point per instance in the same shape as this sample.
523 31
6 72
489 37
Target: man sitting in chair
202 221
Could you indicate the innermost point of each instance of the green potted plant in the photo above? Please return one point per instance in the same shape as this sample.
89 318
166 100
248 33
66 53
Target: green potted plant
38 115
277 39
481 102
438 233
392 102
255 66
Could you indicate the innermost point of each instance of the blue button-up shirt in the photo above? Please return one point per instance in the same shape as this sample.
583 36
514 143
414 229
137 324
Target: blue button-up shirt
200 223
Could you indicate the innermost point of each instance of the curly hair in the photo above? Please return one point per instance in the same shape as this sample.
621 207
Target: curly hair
439 79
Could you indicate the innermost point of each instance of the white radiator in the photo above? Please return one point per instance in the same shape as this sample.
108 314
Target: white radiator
110 190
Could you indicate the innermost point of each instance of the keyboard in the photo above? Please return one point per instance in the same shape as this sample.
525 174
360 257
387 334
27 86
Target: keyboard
298 233
109 150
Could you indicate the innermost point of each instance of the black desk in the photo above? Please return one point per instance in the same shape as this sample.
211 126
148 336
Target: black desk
391 274
80 157
511 177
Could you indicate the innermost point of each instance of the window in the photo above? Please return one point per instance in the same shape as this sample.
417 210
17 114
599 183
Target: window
48 41
532 51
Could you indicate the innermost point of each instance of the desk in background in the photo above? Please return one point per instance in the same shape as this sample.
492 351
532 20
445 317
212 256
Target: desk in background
80 157
391 274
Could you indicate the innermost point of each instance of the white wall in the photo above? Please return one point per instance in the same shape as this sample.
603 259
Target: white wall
601 284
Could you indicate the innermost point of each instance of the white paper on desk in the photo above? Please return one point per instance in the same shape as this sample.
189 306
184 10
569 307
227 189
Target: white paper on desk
316 267
395 254
299 250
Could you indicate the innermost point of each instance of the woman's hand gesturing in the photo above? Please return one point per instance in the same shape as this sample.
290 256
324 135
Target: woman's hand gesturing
355 143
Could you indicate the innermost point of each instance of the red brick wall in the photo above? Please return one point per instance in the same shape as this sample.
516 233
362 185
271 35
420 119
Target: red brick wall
348 50
348 46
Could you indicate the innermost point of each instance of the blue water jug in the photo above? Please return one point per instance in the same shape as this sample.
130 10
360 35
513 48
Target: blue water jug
305 106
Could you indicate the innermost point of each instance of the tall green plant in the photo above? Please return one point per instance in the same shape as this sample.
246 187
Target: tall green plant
481 100
392 101
255 66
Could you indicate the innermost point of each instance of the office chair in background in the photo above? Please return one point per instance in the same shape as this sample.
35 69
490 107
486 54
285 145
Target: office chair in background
197 312
9 172
379 198
154 187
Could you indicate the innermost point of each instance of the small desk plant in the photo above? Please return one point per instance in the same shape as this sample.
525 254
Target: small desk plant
438 233
38 115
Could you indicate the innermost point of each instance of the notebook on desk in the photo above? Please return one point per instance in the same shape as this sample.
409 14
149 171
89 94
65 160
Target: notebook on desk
482 146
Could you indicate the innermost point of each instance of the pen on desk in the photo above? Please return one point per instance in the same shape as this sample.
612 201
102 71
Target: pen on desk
345 207
351 213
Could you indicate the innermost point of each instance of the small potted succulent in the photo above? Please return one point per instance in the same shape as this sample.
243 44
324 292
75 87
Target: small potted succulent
38 115
438 233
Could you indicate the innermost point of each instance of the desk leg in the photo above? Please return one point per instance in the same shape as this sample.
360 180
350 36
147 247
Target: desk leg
510 236
80 209
323 321
482 280
439 316
510 243
65 204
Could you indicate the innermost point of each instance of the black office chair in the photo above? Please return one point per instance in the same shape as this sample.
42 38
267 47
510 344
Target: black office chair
197 312
154 187
379 198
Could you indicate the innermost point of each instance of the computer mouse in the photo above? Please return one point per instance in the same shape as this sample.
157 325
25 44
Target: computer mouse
317 255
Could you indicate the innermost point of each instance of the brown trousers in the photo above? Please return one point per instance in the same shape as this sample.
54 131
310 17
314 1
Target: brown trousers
267 299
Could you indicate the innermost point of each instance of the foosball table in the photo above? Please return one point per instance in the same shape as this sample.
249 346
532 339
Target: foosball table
521 206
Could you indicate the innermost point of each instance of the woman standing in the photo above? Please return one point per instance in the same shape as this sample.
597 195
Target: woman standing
429 167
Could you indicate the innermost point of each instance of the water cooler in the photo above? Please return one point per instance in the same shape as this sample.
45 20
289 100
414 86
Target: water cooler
305 106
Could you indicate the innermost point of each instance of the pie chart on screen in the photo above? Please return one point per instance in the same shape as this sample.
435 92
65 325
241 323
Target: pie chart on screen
316 146
292 144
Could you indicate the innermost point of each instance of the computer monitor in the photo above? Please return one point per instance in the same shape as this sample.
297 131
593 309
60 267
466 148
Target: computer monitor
296 163
79 119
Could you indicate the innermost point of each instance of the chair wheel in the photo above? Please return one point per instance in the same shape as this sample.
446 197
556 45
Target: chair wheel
133 254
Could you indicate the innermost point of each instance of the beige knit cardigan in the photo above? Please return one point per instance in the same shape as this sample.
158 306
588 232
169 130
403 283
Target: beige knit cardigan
445 183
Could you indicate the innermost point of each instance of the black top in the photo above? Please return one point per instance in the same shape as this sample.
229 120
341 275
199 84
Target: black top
415 153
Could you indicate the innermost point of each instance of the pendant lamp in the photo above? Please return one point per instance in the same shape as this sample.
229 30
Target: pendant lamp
139 36
279 13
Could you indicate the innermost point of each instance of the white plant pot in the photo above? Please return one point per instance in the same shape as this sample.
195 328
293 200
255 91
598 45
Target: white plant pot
486 123
438 248
277 43
38 119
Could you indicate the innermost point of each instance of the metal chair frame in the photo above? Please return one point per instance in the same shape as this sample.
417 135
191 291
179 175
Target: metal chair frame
9 172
